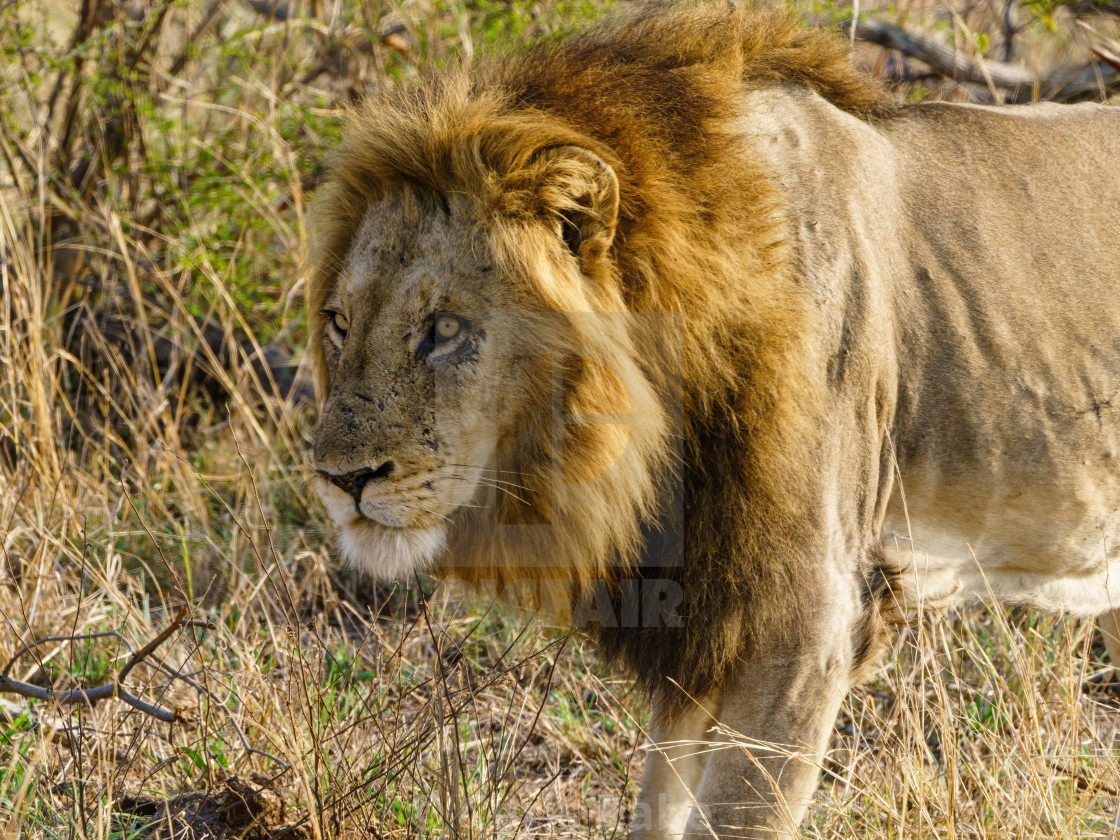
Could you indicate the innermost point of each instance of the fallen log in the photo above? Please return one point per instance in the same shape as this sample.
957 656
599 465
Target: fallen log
1062 84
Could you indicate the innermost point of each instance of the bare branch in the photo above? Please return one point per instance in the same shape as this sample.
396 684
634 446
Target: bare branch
1061 84
10 685
151 646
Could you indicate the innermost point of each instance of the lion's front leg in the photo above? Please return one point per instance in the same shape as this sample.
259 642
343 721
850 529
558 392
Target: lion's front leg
674 768
777 715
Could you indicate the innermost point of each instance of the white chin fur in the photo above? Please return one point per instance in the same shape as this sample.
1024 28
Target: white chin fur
385 552
390 553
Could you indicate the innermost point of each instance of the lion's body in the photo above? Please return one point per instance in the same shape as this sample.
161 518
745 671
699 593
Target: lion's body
974 289
1008 428
722 321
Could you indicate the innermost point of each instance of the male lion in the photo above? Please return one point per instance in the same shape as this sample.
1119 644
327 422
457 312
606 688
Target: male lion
680 322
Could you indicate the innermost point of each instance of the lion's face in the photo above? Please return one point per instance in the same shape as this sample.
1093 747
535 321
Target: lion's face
484 394
419 340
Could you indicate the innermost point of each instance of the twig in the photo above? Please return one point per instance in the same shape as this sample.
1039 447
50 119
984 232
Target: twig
1061 84
10 685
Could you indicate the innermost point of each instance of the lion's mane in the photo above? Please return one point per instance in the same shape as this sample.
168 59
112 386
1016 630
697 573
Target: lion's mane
720 386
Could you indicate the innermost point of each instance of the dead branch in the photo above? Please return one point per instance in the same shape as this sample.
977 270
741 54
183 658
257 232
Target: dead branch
10 685
1061 84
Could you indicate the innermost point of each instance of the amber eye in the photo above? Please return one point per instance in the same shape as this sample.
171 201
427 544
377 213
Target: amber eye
339 322
447 327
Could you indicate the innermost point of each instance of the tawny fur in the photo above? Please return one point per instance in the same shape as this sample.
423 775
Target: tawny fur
691 243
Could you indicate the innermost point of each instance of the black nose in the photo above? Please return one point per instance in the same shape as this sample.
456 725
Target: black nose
355 482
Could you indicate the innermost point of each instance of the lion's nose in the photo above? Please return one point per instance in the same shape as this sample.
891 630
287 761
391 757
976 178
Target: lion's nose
354 482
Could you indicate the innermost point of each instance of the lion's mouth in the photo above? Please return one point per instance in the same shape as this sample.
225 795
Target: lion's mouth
400 509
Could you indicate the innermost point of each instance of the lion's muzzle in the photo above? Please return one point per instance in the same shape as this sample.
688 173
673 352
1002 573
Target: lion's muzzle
355 481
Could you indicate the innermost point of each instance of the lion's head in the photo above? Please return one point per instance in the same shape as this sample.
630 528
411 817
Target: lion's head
482 379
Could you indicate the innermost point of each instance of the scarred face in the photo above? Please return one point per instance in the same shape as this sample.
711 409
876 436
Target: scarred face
417 340
475 355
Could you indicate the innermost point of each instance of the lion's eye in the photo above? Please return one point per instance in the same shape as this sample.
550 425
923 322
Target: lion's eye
447 327
339 322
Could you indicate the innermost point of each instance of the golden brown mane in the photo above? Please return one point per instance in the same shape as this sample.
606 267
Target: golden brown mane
655 95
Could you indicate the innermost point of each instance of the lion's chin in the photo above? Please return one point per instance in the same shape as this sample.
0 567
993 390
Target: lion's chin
385 551
390 553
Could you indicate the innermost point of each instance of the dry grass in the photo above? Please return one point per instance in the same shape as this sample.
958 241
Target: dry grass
153 185
979 728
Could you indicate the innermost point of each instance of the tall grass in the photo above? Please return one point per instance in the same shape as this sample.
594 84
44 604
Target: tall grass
156 164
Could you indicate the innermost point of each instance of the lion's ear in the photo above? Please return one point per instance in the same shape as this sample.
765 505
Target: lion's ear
581 191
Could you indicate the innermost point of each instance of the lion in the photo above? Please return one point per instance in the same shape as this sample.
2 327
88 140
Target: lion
678 324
